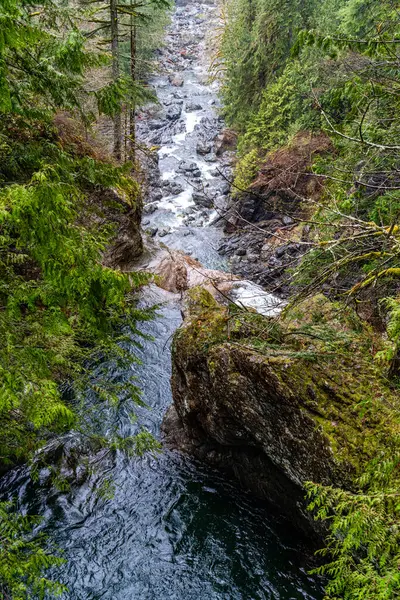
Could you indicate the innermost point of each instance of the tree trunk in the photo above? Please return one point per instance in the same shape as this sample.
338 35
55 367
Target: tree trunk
132 120
394 369
115 75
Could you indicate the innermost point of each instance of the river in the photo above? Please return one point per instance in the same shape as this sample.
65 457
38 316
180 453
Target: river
172 529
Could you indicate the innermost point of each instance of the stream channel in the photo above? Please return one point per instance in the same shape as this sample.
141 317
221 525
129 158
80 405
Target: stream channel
173 529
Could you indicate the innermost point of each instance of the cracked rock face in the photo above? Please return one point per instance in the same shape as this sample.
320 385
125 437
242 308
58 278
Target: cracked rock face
270 418
126 244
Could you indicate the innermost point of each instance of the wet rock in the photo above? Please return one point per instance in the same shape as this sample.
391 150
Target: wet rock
202 199
152 231
175 188
187 167
174 112
164 231
125 214
224 188
192 106
149 209
203 148
208 128
156 196
272 419
165 138
176 81
152 125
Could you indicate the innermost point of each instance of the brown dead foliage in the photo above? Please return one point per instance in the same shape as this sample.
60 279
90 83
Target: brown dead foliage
286 172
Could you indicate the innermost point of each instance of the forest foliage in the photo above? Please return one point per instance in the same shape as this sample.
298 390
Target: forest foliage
286 67
290 67
61 309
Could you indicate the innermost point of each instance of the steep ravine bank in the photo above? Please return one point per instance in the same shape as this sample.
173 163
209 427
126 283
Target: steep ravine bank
265 220
105 206
165 526
274 404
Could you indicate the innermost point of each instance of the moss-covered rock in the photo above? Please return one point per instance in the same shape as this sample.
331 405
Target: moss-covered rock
278 403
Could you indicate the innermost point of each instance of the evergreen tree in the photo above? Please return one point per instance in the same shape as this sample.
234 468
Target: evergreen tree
128 88
334 66
60 307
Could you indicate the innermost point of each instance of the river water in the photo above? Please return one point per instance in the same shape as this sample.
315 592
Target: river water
173 529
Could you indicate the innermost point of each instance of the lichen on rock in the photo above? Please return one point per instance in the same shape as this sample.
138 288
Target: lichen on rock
278 402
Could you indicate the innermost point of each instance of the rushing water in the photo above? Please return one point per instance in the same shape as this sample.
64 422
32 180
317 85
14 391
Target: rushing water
173 529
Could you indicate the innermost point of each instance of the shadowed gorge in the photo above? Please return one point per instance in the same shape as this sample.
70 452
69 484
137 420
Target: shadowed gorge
199 300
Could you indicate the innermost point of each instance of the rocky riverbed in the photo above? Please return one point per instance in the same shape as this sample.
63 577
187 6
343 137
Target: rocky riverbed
188 177
165 526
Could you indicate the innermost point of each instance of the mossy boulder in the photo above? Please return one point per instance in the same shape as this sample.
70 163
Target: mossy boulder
278 403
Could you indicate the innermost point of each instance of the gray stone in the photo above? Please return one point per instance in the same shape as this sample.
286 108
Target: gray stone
202 200
152 125
152 231
164 231
156 195
192 106
174 112
176 81
187 167
148 209
286 220
203 148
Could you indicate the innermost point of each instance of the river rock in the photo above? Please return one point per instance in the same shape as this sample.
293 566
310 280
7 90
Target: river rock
273 418
202 199
124 213
177 272
172 188
208 128
174 112
176 81
164 231
155 195
186 167
155 124
150 208
192 106
152 231
203 148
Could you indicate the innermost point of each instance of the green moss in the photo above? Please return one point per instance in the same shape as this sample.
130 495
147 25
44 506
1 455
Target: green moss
319 355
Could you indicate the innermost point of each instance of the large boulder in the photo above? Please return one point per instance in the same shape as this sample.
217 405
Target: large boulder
277 404
124 214
174 112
